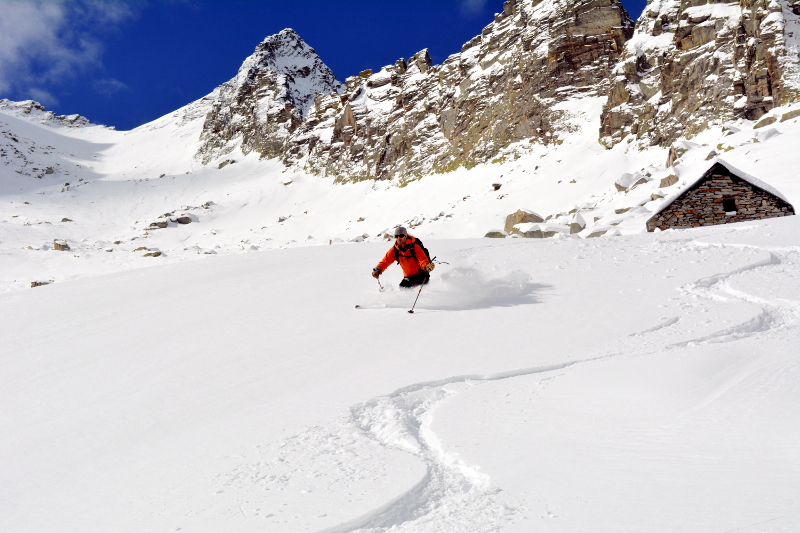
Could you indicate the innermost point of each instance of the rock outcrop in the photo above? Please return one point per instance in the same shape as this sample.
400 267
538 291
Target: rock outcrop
36 111
267 100
412 118
693 64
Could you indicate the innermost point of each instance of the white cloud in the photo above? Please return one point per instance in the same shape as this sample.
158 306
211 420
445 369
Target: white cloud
43 44
472 8
109 87
42 96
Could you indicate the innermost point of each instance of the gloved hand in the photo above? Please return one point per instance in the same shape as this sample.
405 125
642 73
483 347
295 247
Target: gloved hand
428 266
376 272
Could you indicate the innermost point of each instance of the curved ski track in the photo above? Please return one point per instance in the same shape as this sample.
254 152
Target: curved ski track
455 497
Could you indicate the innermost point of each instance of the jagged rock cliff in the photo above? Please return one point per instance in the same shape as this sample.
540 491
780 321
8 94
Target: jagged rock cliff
413 118
268 98
692 64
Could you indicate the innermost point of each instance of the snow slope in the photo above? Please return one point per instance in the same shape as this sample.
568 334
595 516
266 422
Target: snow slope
640 383
633 382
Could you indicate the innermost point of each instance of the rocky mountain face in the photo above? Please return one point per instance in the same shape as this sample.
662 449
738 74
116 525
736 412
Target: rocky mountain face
411 117
692 64
267 100
687 65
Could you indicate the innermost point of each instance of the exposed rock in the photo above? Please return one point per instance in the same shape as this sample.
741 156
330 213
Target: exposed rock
765 121
267 100
152 254
496 234
521 216
31 109
65 219
790 114
226 163
498 91
411 118
158 225
693 64
183 220
628 181
669 181
578 224
540 231
597 233
39 283
62 246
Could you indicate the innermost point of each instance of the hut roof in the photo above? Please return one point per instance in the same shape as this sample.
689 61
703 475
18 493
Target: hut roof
692 182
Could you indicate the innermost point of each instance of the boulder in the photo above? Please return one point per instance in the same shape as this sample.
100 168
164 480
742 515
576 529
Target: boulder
577 225
521 216
183 220
677 149
629 181
496 234
62 246
765 121
790 115
669 181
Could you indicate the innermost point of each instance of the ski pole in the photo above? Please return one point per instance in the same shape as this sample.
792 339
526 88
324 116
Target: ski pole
379 284
415 300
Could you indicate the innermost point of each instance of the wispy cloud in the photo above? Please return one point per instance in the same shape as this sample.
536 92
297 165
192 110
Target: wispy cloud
42 96
44 44
472 8
109 87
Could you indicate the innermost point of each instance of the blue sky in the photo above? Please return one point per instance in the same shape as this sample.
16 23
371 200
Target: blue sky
126 63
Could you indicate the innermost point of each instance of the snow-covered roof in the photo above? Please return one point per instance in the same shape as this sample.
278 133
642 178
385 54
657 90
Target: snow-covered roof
691 182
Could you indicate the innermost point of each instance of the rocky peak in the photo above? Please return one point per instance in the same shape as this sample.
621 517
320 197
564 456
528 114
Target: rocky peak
412 118
268 98
34 110
692 64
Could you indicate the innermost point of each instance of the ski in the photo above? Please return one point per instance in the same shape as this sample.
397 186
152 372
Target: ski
371 306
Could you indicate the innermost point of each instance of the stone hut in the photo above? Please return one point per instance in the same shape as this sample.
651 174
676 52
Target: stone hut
721 195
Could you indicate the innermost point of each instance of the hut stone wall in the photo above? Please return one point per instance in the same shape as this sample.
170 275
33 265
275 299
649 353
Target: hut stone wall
705 204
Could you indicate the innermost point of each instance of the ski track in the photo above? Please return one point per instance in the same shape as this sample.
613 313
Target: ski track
776 315
453 496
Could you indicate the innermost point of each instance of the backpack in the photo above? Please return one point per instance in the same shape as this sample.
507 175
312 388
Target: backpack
413 253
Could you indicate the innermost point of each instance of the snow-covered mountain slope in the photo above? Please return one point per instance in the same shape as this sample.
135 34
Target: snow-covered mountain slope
194 361
116 188
636 383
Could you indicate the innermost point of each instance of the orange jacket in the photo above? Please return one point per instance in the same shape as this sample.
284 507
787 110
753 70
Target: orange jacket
411 263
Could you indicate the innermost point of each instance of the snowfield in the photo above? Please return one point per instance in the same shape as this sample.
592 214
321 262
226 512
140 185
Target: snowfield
632 382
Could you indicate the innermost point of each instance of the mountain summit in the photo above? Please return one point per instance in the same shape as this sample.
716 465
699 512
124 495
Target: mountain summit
411 117
268 98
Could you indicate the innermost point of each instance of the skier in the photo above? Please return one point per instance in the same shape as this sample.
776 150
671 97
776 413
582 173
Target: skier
412 257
